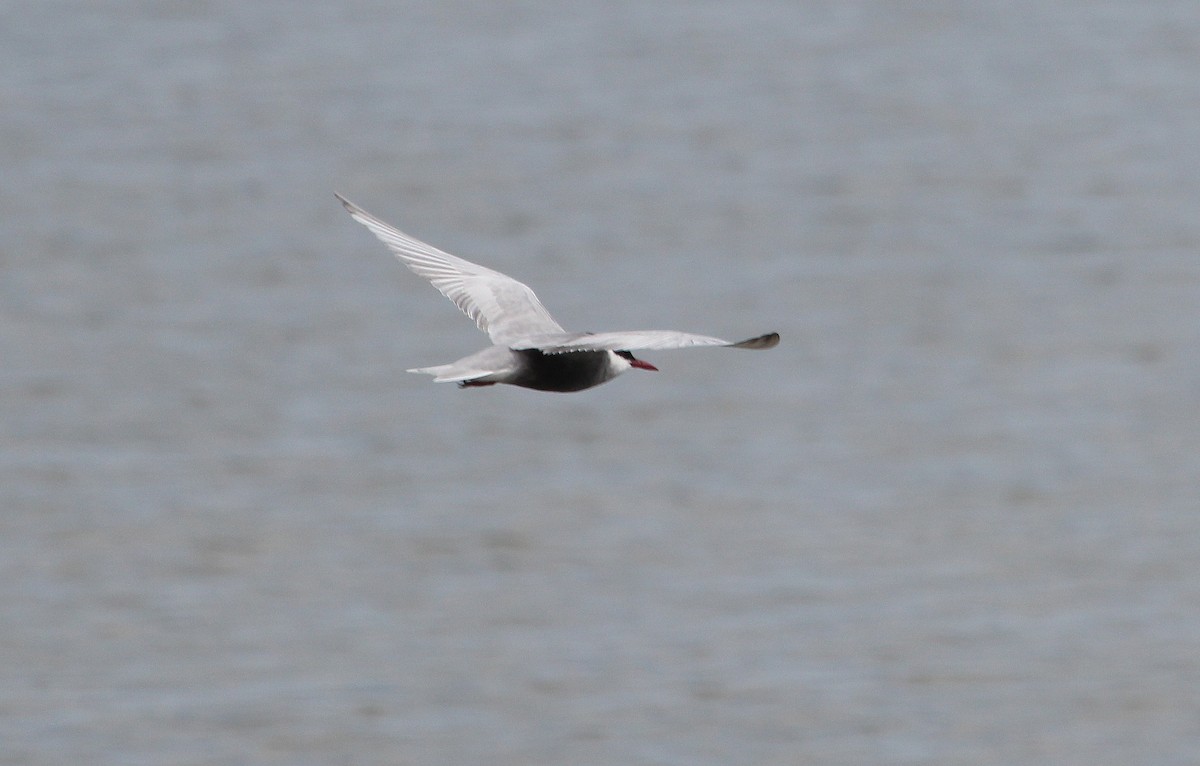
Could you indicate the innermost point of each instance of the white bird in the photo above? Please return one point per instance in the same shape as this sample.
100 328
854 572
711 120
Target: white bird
529 348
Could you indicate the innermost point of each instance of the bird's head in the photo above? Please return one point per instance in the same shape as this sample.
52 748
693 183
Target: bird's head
635 362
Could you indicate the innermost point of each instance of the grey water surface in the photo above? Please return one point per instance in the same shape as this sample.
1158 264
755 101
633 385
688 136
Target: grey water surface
953 519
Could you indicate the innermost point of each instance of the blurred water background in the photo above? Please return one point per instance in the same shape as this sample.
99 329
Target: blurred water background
952 519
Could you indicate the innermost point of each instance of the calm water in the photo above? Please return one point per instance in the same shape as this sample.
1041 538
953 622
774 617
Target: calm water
952 519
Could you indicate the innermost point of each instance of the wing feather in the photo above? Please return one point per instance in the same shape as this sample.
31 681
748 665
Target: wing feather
636 340
504 308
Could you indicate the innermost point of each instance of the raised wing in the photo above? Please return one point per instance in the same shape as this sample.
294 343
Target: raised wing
507 310
635 340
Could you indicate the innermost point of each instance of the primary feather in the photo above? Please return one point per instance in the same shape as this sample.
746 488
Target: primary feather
507 310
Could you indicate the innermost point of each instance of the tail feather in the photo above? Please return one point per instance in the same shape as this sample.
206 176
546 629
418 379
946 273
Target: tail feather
492 364
448 373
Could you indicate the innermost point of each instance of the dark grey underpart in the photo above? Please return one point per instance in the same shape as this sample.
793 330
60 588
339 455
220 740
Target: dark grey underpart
572 371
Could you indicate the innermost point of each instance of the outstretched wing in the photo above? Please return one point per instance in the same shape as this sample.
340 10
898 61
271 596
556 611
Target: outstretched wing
507 310
635 340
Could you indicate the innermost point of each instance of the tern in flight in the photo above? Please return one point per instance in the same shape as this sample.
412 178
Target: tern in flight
529 348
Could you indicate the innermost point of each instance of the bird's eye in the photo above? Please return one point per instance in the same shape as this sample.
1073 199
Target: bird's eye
626 354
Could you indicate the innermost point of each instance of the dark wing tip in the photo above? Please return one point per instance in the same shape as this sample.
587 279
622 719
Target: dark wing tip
770 340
